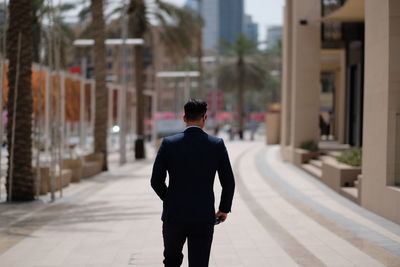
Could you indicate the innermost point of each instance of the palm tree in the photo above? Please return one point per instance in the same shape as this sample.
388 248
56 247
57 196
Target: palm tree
176 37
273 65
199 54
137 11
199 49
20 180
244 73
40 10
100 130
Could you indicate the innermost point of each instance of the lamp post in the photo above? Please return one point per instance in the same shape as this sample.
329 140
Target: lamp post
123 91
169 75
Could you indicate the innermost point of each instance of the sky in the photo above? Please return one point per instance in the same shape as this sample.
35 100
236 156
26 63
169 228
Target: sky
264 12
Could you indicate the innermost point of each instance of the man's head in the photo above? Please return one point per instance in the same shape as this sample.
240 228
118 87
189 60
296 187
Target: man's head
195 113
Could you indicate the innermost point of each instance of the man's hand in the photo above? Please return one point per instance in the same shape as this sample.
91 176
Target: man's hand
222 215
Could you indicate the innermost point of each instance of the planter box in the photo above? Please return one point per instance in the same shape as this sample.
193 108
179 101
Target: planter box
273 124
301 156
75 165
92 164
359 186
337 175
45 182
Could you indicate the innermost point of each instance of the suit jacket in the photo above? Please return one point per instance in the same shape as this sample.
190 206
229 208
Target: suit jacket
192 159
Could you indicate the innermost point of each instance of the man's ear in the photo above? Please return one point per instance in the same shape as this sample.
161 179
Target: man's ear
184 118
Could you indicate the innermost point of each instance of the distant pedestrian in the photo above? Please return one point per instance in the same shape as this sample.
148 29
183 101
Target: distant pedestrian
253 130
216 129
191 159
231 132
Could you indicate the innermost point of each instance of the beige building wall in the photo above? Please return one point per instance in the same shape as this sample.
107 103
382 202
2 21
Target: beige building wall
381 107
286 79
305 82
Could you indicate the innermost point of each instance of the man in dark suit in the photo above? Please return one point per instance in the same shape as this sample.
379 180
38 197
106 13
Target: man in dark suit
191 159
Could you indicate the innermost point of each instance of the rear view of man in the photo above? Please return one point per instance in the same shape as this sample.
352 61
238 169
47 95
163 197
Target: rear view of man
191 159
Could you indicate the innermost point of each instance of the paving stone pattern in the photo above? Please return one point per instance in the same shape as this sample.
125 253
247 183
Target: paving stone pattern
281 217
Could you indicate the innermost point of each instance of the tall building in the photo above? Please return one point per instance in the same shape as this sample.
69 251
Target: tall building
231 17
223 21
274 35
250 29
210 13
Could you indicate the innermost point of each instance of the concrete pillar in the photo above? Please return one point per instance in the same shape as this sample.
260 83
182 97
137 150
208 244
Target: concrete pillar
62 113
340 100
47 134
110 117
381 109
92 107
82 106
286 78
306 67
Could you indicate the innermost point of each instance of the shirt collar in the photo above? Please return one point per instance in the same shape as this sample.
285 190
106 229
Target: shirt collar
192 126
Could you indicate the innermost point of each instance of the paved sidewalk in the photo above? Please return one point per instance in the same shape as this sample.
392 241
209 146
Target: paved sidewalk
281 217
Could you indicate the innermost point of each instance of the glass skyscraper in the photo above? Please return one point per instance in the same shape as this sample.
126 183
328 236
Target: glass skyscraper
231 18
223 21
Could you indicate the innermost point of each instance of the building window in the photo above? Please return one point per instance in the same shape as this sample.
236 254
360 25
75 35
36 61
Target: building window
328 82
109 65
109 52
397 152
129 51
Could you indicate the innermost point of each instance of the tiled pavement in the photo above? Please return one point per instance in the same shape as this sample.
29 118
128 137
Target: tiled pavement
281 217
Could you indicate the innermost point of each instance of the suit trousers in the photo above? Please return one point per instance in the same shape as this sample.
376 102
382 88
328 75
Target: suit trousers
199 237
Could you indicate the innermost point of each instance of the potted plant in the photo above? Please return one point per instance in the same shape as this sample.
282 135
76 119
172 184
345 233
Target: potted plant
343 170
308 150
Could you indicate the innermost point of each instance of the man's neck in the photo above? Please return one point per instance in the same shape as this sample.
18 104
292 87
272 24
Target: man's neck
193 125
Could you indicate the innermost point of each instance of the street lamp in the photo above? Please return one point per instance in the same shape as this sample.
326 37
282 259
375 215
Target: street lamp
168 75
123 91
180 74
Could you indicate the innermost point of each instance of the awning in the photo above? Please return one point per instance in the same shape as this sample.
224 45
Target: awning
351 11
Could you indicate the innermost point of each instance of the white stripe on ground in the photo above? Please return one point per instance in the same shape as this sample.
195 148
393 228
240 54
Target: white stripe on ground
325 245
272 157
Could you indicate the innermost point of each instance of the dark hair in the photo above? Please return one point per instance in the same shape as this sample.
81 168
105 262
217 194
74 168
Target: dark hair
195 109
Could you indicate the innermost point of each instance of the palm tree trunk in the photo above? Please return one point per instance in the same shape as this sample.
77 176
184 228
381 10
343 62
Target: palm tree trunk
100 128
37 30
20 180
199 40
200 87
139 142
240 95
137 12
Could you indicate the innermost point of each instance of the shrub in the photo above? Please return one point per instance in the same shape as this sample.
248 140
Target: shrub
351 157
311 146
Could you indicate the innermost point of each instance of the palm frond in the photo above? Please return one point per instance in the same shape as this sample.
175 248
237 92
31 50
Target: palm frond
116 11
252 72
84 13
66 7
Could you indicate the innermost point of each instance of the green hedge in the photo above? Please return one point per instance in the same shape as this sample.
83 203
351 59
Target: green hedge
352 157
310 146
